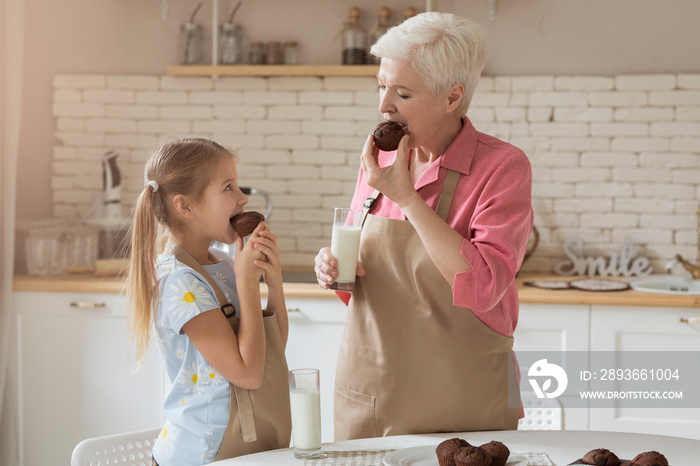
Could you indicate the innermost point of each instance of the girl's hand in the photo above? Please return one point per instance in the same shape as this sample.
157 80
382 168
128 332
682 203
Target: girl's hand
266 243
326 268
246 256
393 181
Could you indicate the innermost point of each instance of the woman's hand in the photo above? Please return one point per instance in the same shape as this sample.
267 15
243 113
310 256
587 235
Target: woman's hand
266 243
393 181
246 257
326 268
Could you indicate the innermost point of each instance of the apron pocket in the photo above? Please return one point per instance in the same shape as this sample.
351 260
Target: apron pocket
354 414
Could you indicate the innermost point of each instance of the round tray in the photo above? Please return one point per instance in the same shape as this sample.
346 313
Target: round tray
599 284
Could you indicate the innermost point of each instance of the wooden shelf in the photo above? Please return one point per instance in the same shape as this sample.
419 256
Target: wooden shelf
272 70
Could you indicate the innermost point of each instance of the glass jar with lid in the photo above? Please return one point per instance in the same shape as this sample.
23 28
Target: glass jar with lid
257 53
273 54
380 28
354 39
409 12
191 44
290 53
232 44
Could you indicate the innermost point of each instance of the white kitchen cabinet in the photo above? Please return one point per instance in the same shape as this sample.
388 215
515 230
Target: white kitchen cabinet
645 329
315 328
552 327
556 328
75 375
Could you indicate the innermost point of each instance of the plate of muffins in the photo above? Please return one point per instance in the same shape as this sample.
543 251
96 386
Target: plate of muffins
456 452
605 457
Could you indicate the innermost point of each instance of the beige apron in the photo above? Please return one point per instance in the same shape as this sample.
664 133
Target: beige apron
258 420
410 361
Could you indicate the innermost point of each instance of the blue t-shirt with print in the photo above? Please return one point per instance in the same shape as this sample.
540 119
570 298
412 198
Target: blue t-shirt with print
197 402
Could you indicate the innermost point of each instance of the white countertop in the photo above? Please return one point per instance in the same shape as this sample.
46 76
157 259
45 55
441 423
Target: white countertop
298 287
562 447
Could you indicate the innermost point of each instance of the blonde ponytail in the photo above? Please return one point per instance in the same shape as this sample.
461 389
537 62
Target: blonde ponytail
142 286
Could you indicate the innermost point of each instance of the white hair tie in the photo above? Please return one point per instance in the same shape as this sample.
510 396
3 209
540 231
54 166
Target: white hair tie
153 185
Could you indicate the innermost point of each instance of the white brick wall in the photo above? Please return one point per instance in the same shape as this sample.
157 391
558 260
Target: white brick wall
613 157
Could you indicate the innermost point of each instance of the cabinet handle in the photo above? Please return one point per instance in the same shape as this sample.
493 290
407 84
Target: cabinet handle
293 309
690 321
87 304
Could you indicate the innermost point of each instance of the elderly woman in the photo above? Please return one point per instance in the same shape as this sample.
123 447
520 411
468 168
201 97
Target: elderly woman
427 343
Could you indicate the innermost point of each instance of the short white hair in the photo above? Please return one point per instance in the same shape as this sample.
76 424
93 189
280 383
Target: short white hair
444 49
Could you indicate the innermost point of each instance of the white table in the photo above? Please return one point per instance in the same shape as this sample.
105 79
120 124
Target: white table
562 447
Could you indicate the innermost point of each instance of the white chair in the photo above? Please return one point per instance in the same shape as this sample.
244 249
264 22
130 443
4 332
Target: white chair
540 413
129 448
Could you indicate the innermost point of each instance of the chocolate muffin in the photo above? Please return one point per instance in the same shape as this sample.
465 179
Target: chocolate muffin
446 450
650 458
472 456
498 451
245 222
387 135
601 457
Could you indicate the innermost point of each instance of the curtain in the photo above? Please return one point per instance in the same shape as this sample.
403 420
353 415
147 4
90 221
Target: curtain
11 70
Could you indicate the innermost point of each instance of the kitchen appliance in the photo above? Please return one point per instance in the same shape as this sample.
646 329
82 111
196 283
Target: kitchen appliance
106 211
112 184
231 248
266 197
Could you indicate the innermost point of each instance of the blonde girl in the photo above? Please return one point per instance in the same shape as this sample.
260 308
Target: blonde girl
215 353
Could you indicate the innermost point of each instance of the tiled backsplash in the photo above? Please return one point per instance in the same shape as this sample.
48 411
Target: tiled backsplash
613 157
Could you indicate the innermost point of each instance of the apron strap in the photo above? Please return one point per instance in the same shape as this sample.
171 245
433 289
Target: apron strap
448 192
245 405
245 412
368 204
186 258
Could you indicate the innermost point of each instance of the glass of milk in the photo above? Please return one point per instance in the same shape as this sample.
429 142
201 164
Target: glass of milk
345 246
305 402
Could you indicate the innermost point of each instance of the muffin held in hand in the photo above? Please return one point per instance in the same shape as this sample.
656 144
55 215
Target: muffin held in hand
387 135
649 458
446 450
498 451
601 457
472 456
245 222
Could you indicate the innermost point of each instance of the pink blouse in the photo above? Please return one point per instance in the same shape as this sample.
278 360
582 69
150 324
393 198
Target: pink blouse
491 209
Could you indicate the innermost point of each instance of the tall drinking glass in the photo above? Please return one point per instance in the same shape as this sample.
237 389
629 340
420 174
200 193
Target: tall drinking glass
305 402
345 246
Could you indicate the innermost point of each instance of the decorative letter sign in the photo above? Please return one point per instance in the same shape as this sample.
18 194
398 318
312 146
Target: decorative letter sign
623 264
